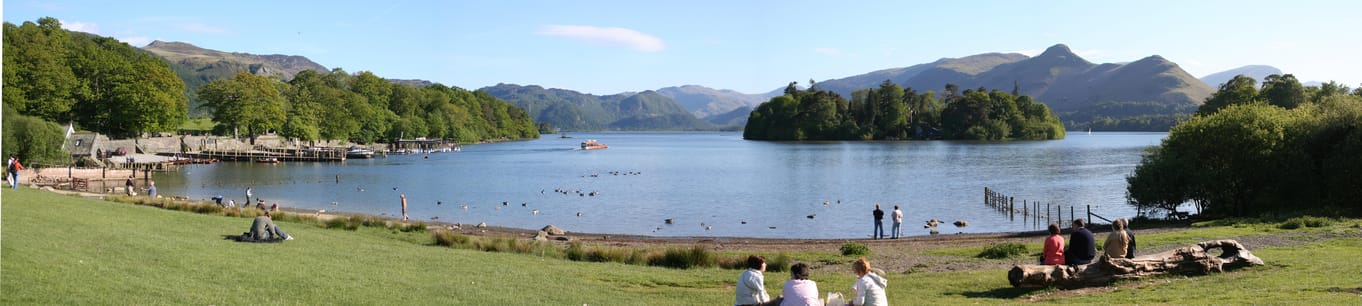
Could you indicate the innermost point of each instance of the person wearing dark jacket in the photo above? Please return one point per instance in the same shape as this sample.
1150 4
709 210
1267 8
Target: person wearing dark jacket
1130 249
1082 246
879 223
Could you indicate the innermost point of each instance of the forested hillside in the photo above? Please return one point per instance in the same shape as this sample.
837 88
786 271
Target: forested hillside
575 111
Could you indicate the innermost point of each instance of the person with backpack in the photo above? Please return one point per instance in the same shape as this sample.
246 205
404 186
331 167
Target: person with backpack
13 166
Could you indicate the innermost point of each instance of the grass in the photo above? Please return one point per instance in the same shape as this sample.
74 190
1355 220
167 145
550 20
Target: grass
1002 250
70 250
198 124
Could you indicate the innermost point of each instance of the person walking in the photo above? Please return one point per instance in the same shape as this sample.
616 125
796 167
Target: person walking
14 166
898 221
404 206
879 223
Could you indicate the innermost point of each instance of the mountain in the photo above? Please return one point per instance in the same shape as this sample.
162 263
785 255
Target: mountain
1257 72
575 111
736 118
704 101
1064 81
198 66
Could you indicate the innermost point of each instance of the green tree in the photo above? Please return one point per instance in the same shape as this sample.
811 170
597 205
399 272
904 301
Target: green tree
33 140
1282 90
1238 90
245 101
37 79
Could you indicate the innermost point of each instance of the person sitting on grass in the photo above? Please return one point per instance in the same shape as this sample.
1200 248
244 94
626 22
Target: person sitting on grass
799 290
264 230
1082 246
1117 242
869 287
1053 253
751 287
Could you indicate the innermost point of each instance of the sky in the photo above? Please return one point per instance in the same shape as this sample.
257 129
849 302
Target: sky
607 47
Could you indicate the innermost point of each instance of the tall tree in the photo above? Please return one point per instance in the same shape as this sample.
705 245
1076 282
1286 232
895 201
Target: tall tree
37 79
245 101
1282 90
1238 90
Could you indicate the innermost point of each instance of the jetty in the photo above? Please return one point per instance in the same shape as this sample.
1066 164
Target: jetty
310 154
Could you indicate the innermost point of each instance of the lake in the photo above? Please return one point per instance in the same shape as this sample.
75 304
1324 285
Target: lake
707 183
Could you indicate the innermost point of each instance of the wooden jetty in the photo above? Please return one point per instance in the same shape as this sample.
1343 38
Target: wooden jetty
314 154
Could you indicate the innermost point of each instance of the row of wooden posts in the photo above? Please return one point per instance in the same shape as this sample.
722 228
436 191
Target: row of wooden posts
1032 209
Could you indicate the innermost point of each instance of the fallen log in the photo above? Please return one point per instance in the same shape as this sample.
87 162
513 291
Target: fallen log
1192 260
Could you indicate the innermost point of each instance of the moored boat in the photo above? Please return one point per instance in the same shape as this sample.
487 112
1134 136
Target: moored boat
358 152
267 160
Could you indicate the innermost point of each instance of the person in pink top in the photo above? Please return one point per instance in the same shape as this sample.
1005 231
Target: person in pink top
800 291
1054 247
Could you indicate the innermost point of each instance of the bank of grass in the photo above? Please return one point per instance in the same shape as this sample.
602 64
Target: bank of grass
69 250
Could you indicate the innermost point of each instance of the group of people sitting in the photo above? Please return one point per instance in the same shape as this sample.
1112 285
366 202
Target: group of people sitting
1082 247
800 291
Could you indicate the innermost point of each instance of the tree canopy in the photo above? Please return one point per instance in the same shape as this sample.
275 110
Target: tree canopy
98 83
1252 152
894 112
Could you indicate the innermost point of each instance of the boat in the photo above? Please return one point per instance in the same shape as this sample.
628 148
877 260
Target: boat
358 152
565 135
593 145
267 160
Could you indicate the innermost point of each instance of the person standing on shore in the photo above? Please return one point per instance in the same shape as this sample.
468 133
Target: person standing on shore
879 223
898 221
1082 247
128 186
248 196
151 189
404 206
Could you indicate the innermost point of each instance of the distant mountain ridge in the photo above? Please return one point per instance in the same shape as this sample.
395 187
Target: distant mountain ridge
198 66
576 111
704 101
1058 77
1257 72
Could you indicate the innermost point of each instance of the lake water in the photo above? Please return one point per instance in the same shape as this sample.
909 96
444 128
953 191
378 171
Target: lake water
710 178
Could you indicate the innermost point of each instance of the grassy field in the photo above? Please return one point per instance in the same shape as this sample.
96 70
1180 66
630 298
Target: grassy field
68 250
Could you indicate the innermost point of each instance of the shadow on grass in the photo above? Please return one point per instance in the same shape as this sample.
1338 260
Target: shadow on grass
1002 293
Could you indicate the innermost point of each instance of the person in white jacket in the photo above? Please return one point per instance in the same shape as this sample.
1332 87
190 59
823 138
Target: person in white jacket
752 284
869 287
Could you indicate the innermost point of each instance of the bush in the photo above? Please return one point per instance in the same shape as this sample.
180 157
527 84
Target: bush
696 256
779 263
1003 250
1298 222
852 248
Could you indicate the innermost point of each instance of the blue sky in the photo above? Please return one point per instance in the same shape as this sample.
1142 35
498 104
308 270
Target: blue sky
606 47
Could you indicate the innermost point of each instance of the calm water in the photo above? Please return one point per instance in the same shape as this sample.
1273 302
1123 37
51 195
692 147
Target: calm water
714 179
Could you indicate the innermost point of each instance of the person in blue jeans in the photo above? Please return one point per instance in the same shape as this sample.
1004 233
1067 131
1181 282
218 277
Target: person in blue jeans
879 223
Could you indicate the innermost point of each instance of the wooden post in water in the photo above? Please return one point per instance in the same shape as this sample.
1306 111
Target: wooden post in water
1089 213
1047 212
1012 209
1071 213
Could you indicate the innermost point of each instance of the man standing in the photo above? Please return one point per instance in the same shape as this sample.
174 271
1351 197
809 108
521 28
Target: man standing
898 221
1082 248
879 223
151 189
248 196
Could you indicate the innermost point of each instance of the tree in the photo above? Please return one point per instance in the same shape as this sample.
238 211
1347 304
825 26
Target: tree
33 139
37 79
245 101
1282 90
1238 90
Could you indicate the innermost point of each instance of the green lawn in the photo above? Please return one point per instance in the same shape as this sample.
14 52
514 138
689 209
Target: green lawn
69 250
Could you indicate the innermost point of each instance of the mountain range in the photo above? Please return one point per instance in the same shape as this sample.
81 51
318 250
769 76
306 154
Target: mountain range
1257 72
1076 89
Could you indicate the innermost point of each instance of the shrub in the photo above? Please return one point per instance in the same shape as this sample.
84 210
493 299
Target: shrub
575 252
1003 250
1308 221
779 263
451 239
696 256
852 248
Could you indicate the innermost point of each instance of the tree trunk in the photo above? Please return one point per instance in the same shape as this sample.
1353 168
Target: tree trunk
1192 260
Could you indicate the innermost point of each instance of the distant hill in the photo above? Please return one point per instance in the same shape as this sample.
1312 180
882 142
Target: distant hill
704 101
1064 81
734 119
1257 72
574 111
198 66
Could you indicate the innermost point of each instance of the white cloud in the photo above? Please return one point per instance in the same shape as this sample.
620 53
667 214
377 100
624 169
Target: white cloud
80 26
618 37
828 51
